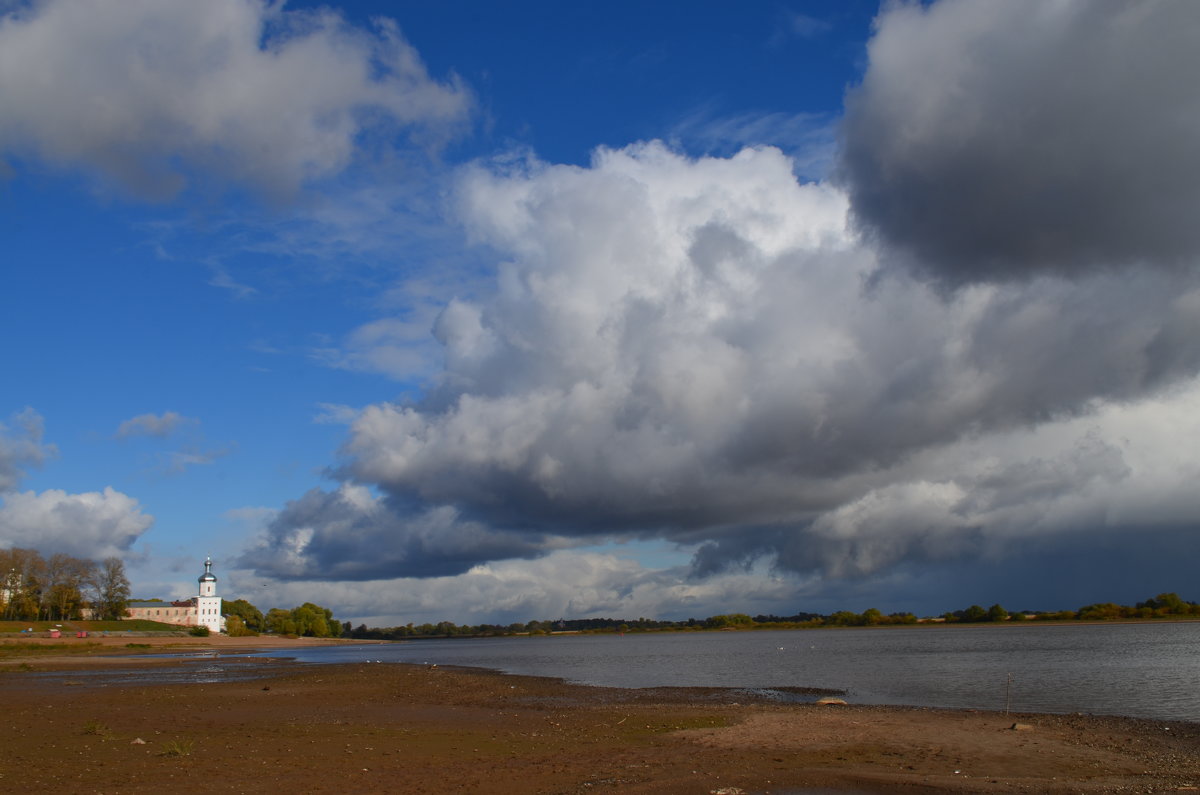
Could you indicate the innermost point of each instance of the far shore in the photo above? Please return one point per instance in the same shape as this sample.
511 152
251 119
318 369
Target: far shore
366 728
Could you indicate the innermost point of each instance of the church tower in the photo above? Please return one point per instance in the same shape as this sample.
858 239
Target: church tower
208 604
208 580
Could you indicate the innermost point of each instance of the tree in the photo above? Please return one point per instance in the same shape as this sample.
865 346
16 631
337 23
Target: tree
65 580
23 572
1170 601
974 613
280 621
1167 604
112 590
997 613
310 620
307 619
250 615
728 620
236 628
845 618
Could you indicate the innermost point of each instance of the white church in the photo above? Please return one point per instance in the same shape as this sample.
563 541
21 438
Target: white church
203 610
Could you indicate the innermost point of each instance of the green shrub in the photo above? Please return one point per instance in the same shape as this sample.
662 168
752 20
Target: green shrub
199 632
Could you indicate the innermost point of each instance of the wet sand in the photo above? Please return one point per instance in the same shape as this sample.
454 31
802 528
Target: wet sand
365 728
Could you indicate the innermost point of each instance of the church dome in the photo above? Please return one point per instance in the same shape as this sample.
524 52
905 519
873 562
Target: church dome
208 576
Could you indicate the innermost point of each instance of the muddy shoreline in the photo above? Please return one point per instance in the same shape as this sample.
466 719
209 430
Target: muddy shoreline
409 728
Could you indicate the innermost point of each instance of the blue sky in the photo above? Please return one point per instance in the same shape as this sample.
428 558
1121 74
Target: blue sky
494 312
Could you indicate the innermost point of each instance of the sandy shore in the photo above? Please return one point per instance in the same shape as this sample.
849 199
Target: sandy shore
368 728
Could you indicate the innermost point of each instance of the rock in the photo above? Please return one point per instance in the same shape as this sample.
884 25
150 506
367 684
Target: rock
831 700
1021 727
137 741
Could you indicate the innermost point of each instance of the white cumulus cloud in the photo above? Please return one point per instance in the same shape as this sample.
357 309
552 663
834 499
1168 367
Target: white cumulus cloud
94 524
151 93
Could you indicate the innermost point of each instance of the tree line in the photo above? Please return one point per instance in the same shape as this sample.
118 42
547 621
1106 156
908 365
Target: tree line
243 618
60 587
1166 605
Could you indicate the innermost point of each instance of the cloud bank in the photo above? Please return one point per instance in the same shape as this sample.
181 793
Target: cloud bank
151 94
701 351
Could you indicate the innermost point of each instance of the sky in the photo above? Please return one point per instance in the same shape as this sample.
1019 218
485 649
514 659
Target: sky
496 312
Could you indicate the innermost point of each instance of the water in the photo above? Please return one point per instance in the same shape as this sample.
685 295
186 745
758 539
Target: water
1139 670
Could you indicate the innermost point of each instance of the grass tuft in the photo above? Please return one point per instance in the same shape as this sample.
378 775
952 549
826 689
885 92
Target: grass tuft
98 729
176 748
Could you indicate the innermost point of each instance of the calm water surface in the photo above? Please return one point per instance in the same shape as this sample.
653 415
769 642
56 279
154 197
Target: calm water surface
1141 670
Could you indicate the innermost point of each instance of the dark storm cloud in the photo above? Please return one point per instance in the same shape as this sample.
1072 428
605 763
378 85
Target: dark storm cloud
1054 572
976 511
994 141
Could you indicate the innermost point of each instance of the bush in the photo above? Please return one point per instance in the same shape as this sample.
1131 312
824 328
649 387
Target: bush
199 632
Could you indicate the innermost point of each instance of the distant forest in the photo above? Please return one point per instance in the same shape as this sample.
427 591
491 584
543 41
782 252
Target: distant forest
1163 606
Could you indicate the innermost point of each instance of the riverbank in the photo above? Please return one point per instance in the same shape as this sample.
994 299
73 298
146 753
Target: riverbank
404 728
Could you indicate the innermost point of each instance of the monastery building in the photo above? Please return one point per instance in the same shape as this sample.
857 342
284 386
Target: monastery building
201 610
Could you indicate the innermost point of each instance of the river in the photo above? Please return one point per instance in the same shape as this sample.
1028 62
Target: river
1147 670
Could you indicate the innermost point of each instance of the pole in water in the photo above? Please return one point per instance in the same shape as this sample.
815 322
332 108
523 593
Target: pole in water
1008 695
